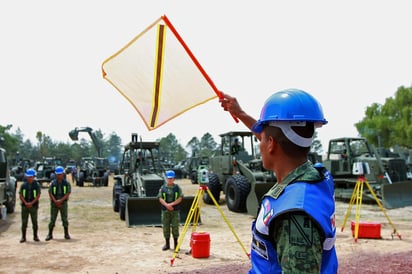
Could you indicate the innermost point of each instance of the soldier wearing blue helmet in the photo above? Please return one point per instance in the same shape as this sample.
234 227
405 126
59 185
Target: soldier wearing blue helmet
59 192
170 196
294 231
29 194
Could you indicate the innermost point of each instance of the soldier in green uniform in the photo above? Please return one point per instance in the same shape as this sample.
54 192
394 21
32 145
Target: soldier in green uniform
170 196
59 192
294 231
29 194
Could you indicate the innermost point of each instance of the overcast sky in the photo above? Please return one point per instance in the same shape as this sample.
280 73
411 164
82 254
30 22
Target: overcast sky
348 54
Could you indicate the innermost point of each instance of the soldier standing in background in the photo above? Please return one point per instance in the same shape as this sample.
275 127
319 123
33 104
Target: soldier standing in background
59 192
29 195
170 196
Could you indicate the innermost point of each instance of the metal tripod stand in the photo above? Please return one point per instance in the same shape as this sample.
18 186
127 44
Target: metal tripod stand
193 217
357 195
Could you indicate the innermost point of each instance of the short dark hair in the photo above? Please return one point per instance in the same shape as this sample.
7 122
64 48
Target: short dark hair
288 146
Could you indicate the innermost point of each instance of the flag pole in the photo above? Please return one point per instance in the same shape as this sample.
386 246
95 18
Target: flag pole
198 65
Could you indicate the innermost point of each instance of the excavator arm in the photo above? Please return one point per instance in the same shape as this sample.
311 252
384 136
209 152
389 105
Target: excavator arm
74 135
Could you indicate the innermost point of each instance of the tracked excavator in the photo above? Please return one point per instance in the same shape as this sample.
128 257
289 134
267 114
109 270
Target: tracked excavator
136 186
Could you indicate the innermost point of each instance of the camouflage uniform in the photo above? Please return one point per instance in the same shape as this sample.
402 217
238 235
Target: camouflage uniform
58 190
295 232
29 192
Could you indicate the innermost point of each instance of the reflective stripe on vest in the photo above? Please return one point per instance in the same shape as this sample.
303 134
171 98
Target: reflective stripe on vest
64 190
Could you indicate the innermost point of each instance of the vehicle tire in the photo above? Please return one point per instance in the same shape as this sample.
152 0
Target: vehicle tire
214 187
122 205
117 189
80 182
193 177
106 179
11 196
237 189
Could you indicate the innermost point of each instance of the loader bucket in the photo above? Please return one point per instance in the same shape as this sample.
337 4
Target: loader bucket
146 211
257 190
397 194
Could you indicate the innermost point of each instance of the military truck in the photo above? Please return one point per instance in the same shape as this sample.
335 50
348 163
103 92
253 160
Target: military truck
387 177
93 170
136 186
45 169
8 185
240 176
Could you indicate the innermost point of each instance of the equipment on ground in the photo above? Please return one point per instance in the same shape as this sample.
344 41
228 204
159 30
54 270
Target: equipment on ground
240 176
45 170
360 169
194 216
136 187
8 185
387 177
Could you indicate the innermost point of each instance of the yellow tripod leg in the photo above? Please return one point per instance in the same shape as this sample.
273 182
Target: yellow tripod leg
384 211
227 221
352 200
358 207
194 212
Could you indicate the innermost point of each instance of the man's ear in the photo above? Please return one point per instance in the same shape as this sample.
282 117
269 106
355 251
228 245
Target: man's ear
272 145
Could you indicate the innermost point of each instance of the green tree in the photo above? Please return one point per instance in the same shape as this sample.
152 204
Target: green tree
389 124
194 146
171 149
207 145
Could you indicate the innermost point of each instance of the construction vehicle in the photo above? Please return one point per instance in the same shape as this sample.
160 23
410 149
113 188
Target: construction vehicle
93 170
387 176
136 187
45 170
240 176
8 185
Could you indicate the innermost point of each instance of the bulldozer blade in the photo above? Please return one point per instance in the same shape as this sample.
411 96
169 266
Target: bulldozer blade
146 211
397 194
257 190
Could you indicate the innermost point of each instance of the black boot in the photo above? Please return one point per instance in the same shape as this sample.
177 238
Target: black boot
50 235
66 233
175 241
35 237
167 245
23 236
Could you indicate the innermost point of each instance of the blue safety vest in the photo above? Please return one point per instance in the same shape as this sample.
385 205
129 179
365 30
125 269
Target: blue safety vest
297 197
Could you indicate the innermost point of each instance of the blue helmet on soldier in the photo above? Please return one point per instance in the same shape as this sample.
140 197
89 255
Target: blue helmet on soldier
170 174
30 172
59 170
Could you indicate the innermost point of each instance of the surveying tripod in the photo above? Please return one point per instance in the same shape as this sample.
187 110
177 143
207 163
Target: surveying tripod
193 217
357 195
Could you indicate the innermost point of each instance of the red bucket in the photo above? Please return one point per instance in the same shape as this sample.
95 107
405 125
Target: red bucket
200 244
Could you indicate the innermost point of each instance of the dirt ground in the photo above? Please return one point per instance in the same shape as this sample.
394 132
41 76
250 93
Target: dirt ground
102 243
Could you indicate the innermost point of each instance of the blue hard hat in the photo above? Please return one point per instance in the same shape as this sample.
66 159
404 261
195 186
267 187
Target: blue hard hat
59 170
290 105
170 174
30 172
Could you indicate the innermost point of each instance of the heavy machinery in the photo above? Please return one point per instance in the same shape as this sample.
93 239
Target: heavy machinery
93 170
136 187
240 176
74 136
45 169
387 176
8 185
